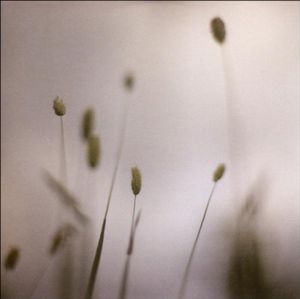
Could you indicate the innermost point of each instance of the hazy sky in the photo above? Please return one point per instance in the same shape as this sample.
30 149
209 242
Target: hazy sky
183 119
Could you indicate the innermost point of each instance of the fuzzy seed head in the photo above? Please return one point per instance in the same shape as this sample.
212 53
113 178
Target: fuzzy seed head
218 29
93 151
88 123
136 181
59 107
129 81
219 172
12 258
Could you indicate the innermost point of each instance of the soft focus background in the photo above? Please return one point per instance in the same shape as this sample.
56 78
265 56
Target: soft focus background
183 121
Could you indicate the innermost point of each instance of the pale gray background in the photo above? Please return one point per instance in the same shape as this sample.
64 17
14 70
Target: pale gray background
177 134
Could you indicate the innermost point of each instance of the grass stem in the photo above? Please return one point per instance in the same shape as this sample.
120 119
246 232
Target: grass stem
188 265
134 223
63 164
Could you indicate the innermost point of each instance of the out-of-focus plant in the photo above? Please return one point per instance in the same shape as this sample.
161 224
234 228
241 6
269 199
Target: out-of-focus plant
12 258
248 276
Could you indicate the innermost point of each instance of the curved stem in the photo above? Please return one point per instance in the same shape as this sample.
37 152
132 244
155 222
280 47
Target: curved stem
188 265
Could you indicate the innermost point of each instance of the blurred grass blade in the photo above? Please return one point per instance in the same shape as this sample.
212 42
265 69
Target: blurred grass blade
91 283
61 237
66 197
12 258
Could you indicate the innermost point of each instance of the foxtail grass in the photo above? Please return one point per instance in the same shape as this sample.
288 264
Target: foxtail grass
136 185
60 110
235 138
218 174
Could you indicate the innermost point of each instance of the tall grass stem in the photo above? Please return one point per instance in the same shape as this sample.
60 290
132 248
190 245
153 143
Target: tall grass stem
188 265
63 164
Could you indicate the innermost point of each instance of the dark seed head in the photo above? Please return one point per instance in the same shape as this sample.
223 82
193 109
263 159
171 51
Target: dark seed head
129 81
93 151
88 123
218 29
219 172
59 107
136 181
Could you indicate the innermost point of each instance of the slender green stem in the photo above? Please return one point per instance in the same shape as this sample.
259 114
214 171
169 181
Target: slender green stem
123 289
91 283
63 153
188 265
235 138
130 245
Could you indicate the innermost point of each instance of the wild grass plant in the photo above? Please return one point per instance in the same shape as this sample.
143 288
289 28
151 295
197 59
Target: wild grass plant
136 185
218 174
246 275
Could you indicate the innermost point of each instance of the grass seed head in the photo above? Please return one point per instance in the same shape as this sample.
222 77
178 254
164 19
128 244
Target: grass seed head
136 181
59 107
218 29
129 81
219 172
88 123
93 151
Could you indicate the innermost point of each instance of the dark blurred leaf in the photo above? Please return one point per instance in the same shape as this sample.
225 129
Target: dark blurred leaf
60 238
66 197
12 258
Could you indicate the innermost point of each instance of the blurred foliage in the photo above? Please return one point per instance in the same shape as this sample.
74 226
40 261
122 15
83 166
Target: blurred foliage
248 277
12 258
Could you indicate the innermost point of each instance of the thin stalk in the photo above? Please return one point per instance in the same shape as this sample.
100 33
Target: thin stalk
188 265
91 283
123 289
63 153
132 231
134 223
235 138
97 258
133 214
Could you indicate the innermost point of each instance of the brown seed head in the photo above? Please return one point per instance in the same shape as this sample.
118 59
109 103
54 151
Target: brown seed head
93 151
218 29
136 181
59 107
88 123
219 172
